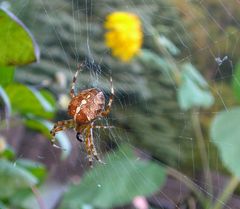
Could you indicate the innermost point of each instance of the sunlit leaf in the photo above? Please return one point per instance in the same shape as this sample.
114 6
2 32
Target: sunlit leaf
225 134
44 102
6 75
193 90
17 44
49 97
13 178
27 100
44 127
116 183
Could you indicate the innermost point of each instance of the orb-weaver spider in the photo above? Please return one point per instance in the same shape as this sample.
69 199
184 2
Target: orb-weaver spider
85 107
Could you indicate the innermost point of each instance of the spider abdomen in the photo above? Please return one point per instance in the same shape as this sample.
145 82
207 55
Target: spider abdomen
87 105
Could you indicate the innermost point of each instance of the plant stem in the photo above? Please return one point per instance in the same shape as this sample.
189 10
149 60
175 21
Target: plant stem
202 151
190 184
38 197
227 192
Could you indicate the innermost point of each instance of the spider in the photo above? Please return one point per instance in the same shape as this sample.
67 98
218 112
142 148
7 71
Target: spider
84 108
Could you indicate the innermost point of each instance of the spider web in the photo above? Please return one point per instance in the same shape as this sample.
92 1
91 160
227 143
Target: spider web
130 91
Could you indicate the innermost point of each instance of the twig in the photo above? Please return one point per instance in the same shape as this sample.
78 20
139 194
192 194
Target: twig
38 197
202 151
227 192
190 184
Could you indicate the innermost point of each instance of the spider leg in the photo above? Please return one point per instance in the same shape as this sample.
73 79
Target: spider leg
109 105
59 126
72 94
93 148
88 148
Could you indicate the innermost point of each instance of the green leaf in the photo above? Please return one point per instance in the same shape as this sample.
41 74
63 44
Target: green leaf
116 183
49 97
35 168
152 59
17 44
6 75
44 127
169 45
193 89
8 153
29 101
236 82
190 71
13 178
44 102
225 134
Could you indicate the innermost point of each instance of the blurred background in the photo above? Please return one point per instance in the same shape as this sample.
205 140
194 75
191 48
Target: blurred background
175 141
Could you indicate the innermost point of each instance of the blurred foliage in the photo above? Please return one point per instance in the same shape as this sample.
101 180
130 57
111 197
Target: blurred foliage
153 92
18 177
28 101
14 178
212 30
115 183
74 33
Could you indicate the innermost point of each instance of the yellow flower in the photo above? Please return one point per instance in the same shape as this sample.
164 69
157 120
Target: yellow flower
124 35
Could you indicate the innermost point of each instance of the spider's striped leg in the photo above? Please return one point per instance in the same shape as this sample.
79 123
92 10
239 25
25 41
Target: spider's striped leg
93 148
88 147
59 126
109 105
72 94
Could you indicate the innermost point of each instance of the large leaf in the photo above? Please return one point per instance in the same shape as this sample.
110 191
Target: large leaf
17 44
116 183
225 133
193 90
6 75
13 178
27 101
